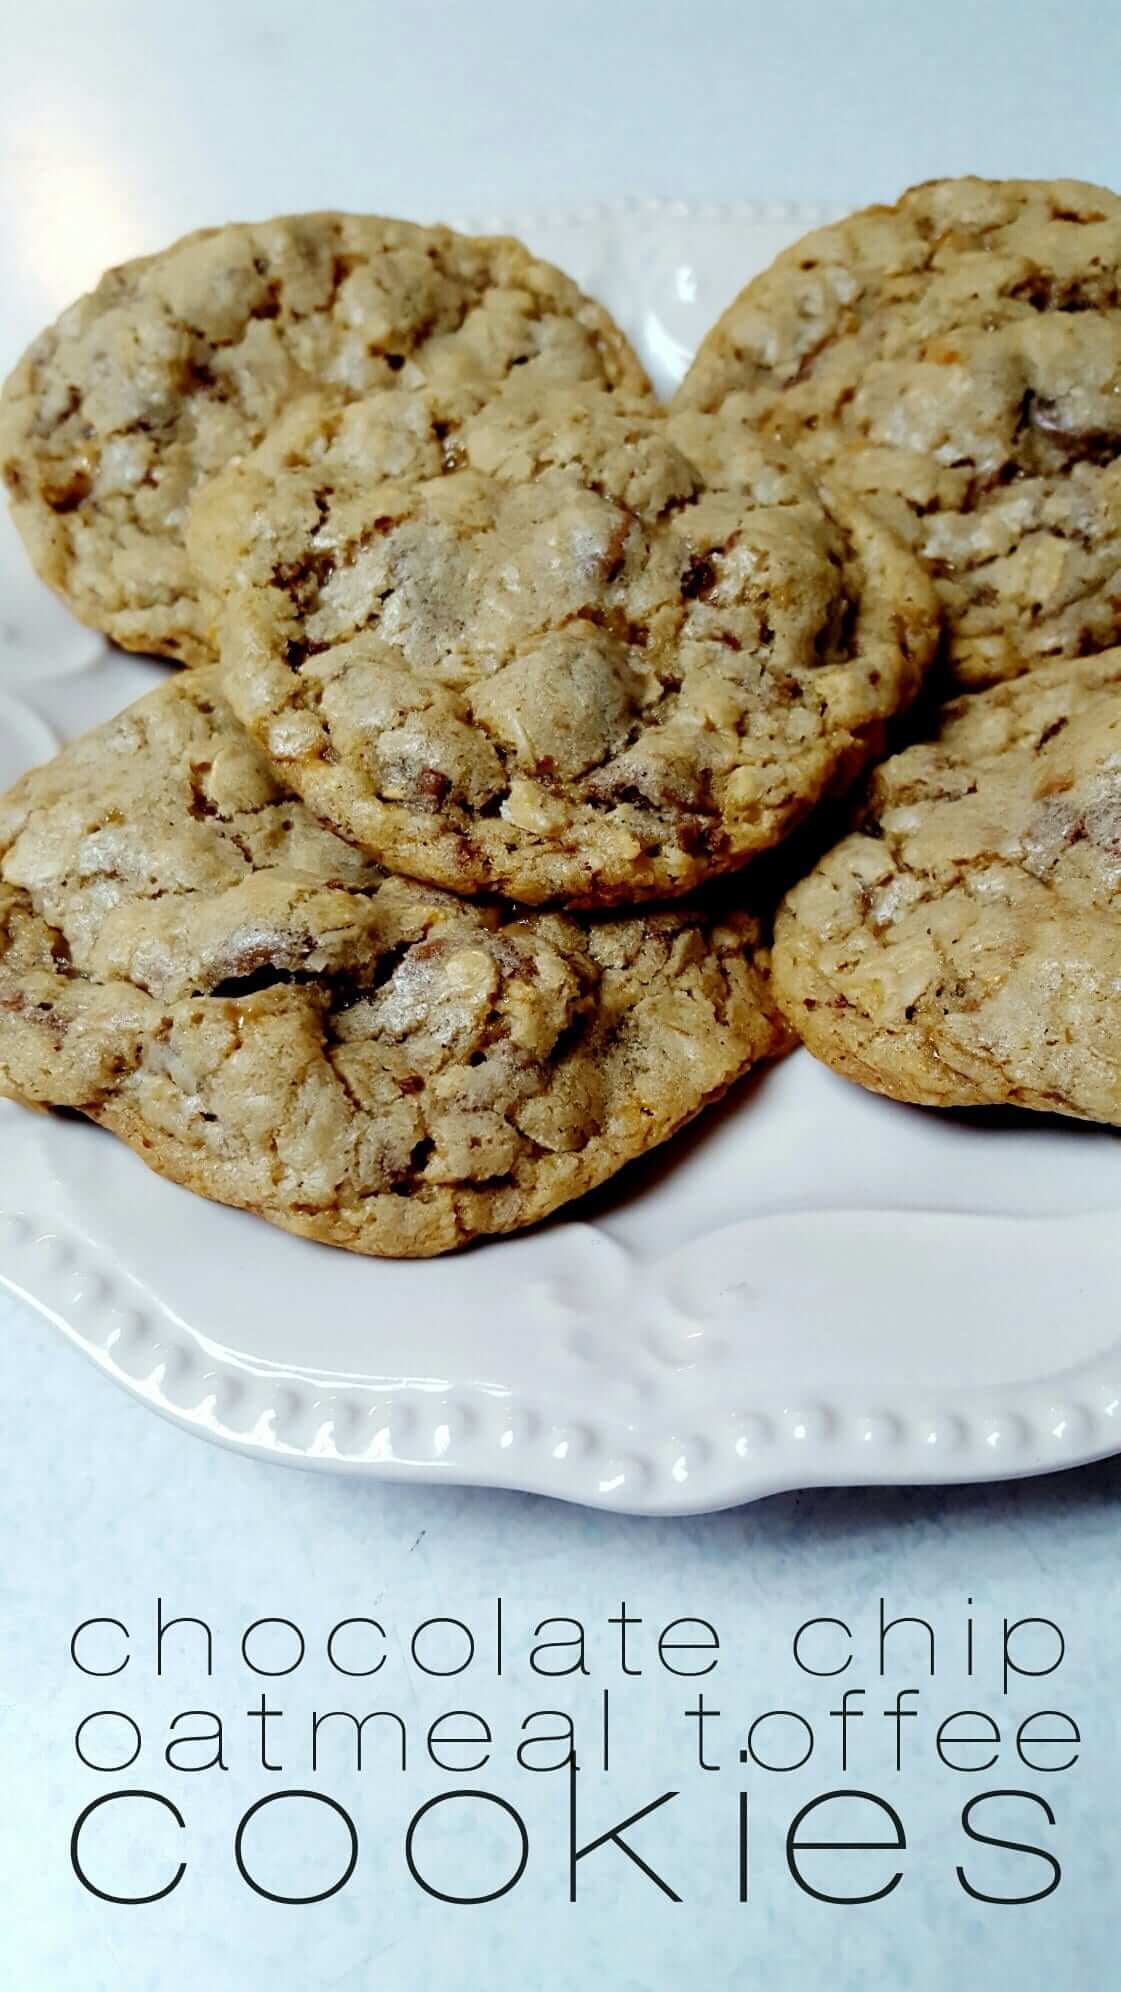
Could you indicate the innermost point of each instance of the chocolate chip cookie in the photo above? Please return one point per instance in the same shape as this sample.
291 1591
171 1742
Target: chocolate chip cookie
179 361
189 958
962 947
958 358
554 645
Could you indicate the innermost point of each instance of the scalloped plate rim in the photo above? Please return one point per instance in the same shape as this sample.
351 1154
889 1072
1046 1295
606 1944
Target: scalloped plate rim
785 1457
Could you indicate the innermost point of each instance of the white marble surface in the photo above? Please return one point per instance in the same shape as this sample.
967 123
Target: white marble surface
120 125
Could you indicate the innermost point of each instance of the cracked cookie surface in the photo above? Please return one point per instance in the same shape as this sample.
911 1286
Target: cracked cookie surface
958 358
189 958
554 646
179 361
962 947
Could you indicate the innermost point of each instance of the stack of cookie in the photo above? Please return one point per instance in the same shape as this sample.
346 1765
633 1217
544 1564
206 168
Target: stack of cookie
417 905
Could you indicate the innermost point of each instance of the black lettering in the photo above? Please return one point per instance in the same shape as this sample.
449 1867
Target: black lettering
164 1626
299 1901
448 1798
117 1716
436 1741
443 1672
821 1672
212 1736
1011 1667
944 1741
790 1715
359 1728
99 1672
272 1673
615 1833
668 1645
354 1672
889 1625
1014 1846
796 1846
565 1736
1024 1741
576 1666
113 1798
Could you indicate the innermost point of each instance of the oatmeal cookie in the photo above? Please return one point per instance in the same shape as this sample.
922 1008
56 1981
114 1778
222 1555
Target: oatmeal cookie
962 946
958 358
554 646
190 959
178 362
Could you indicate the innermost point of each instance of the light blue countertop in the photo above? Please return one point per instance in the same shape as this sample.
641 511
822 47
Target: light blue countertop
108 1508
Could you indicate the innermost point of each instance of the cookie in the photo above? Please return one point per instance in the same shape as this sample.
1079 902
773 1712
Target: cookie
961 947
189 958
179 361
554 646
958 358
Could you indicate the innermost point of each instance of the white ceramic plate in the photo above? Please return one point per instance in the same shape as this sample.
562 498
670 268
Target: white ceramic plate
811 1286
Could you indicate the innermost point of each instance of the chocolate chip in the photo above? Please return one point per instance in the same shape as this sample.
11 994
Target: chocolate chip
297 650
699 579
68 496
433 786
269 306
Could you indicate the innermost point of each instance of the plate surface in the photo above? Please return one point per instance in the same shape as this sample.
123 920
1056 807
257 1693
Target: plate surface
811 1286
